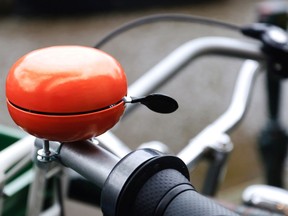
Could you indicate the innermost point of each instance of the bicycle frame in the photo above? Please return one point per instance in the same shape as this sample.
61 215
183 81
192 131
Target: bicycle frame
214 137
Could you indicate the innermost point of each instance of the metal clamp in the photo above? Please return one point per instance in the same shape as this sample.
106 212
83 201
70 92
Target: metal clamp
46 154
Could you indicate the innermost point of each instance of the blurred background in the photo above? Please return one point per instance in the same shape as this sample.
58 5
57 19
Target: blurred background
203 90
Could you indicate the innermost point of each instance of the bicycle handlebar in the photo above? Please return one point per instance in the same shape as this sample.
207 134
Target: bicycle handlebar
186 53
182 56
147 182
143 183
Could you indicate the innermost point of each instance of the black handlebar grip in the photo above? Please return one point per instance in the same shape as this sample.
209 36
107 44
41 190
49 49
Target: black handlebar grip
169 193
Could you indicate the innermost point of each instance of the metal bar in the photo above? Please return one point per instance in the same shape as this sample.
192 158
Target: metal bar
113 144
235 112
11 155
267 197
89 160
15 152
36 192
183 55
59 195
214 173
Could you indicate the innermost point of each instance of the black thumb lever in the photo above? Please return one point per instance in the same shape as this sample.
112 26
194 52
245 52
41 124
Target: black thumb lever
156 102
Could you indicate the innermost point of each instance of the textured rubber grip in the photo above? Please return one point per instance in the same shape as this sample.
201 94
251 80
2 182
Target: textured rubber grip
169 193
191 203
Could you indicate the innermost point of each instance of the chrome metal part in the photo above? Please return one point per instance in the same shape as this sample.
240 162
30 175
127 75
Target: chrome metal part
233 115
128 99
37 189
174 62
267 197
112 143
198 149
278 35
11 156
36 192
42 171
15 152
45 154
222 143
156 145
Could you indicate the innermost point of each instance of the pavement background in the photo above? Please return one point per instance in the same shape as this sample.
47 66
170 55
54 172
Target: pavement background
203 89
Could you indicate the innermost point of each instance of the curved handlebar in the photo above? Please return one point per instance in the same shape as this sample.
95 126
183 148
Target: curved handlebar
145 182
177 60
189 51
228 120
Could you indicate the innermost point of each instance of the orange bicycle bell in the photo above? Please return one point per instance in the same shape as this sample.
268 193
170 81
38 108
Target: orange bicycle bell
66 93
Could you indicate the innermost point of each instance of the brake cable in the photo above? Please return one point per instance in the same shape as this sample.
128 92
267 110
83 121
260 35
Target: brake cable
165 17
274 39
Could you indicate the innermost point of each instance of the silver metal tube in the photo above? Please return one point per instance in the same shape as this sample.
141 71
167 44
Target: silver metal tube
240 98
179 58
113 144
228 120
89 160
15 152
267 197
36 192
11 155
